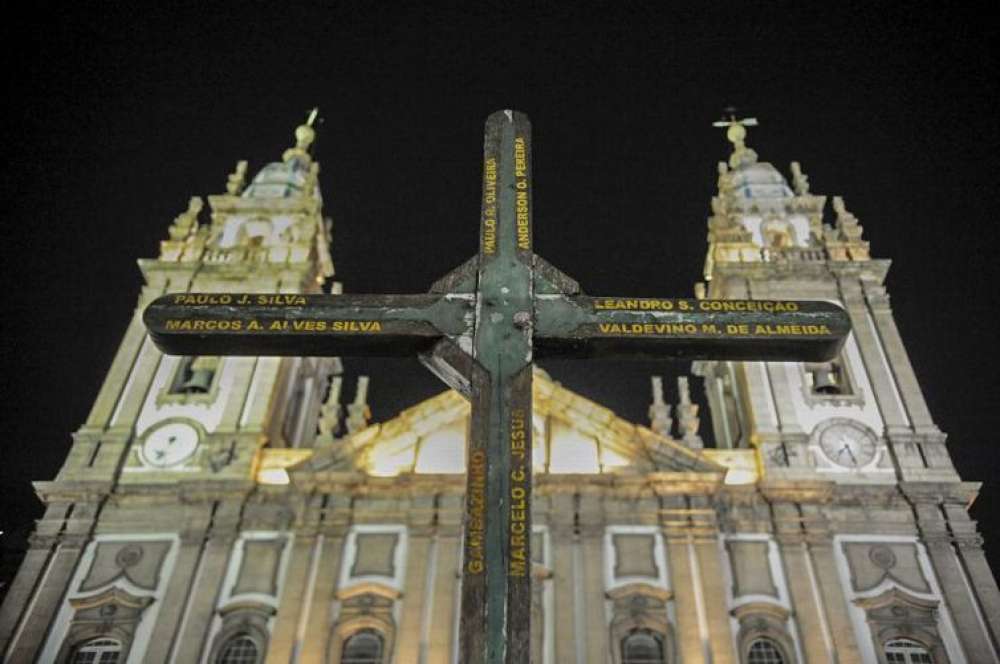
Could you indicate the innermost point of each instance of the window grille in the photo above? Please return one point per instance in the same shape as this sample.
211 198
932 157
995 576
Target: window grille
764 651
239 649
642 647
906 651
98 651
364 647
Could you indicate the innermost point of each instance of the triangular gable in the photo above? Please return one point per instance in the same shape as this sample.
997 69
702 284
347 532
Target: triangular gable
572 435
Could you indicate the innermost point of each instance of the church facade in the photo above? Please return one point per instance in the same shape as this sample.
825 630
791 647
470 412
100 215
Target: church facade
238 510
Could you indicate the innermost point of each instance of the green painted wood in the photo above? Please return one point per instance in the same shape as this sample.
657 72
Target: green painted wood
665 328
502 344
311 325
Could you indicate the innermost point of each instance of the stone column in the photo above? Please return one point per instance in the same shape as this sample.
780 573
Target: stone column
712 579
784 400
48 597
175 598
564 539
591 532
41 549
140 381
290 607
983 584
449 550
203 600
955 592
20 592
813 632
117 376
881 380
831 586
692 644
899 361
408 639
259 399
242 369
313 648
76 528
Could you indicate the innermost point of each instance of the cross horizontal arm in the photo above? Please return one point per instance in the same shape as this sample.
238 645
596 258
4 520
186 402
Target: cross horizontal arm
652 328
305 325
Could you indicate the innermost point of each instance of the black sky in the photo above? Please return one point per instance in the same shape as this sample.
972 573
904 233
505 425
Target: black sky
116 118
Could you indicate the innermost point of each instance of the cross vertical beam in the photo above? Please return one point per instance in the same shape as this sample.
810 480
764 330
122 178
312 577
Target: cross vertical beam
496 585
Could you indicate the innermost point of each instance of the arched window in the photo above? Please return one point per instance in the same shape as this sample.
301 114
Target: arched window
907 651
364 647
239 649
98 651
764 651
642 647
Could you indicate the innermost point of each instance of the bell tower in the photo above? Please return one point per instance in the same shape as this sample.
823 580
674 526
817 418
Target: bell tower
858 418
175 437
848 449
190 418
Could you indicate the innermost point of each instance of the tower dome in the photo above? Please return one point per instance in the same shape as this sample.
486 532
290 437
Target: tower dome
759 181
290 176
279 180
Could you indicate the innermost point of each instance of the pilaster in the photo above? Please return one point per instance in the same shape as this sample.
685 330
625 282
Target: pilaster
180 585
692 645
689 611
282 641
957 593
242 373
592 527
313 648
443 628
420 545
899 360
136 389
703 537
564 540
202 602
47 600
117 376
983 584
831 586
882 383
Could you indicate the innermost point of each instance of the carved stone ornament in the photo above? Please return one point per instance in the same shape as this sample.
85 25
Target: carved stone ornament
139 563
882 557
873 563
113 613
129 556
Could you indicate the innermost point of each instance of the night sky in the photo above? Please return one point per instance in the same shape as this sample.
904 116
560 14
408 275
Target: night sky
115 120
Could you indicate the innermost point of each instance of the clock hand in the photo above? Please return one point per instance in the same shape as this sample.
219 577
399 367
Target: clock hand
854 459
159 454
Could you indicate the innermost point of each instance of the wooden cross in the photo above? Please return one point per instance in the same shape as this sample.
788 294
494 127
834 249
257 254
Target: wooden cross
479 329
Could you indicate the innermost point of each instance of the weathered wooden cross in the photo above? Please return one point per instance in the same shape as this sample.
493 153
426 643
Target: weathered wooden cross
479 329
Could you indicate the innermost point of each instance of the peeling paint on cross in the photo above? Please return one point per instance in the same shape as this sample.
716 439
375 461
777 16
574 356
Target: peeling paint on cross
479 329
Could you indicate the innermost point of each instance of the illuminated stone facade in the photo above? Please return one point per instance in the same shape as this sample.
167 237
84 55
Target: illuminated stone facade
233 510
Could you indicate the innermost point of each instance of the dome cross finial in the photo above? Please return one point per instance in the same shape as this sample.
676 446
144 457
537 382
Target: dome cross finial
736 132
304 137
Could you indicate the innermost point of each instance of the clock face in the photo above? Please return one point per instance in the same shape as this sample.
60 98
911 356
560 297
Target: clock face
170 444
848 445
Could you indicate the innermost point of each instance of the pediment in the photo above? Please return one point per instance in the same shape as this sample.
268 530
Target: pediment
572 436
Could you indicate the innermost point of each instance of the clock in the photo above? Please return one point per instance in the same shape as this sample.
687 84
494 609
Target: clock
848 444
169 444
